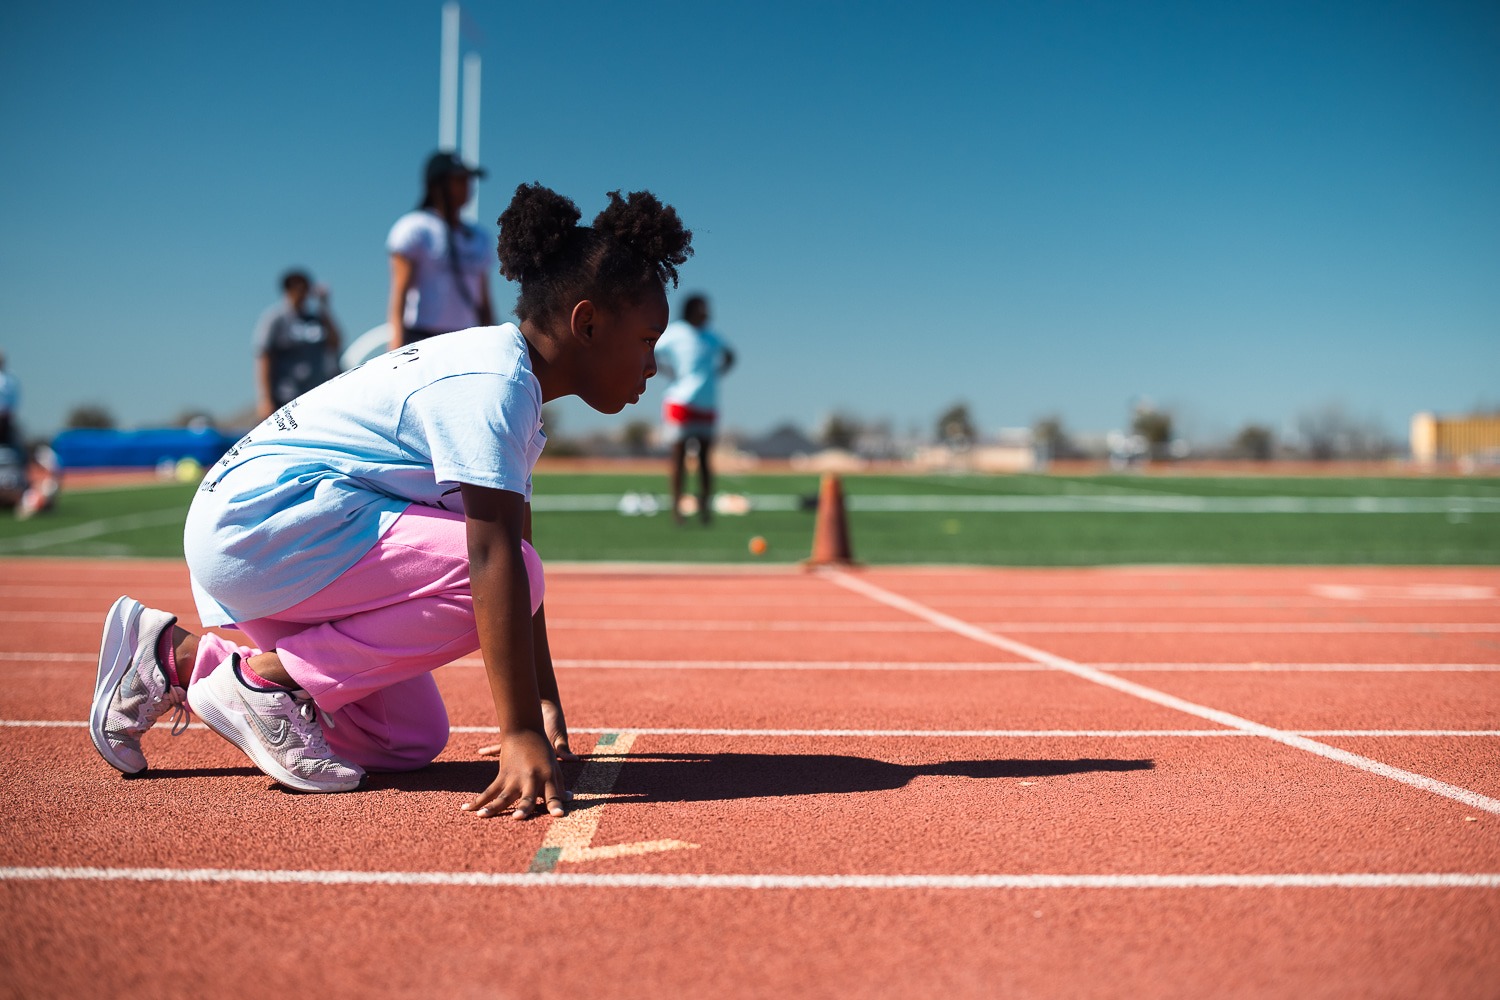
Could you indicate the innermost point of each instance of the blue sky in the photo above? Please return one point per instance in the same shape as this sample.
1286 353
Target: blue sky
1243 211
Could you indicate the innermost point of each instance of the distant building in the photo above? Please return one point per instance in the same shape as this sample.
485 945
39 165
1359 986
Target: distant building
786 441
1012 449
1466 440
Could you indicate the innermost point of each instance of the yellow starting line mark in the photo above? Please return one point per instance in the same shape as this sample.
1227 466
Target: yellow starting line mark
571 838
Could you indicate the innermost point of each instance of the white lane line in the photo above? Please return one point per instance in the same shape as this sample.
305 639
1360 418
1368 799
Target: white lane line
588 624
1001 666
959 627
573 593
1251 628
1290 880
981 666
771 625
78 593
1008 733
1365 593
1310 668
576 664
889 733
1131 627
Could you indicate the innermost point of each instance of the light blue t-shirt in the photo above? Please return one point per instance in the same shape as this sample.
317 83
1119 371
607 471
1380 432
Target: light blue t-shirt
693 357
303 496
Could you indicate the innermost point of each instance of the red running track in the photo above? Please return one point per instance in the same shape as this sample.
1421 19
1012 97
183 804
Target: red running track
1050 783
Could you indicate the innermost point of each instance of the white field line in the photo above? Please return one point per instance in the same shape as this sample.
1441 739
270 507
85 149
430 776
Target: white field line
893 600
210 876
1023 666
958 734
1073 503
91 529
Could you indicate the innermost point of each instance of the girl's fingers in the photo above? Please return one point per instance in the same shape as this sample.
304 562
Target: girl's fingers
487 802
555 801
525 803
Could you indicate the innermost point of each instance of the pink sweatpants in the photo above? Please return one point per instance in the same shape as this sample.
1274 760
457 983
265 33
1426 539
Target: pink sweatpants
365 646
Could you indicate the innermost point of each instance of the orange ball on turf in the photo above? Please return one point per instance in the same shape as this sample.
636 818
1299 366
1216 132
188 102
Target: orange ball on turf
758 546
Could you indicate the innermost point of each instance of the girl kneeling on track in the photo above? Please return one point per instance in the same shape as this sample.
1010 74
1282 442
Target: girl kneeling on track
378 527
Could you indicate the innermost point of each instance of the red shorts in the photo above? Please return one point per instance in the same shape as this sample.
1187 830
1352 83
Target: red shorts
681 422
681 413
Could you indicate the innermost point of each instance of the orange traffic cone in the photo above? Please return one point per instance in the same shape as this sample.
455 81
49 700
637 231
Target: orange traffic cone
831 533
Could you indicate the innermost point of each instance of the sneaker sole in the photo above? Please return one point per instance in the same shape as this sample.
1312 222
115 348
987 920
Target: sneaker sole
233 729
124 616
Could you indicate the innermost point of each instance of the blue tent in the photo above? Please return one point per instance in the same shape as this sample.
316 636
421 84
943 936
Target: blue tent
110 449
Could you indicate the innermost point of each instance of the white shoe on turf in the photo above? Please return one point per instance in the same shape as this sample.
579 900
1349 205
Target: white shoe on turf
132 690
278 730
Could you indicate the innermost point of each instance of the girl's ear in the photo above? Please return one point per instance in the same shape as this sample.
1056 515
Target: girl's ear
583 321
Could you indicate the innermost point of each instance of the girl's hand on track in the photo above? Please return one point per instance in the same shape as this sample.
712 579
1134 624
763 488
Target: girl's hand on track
557 729
528 773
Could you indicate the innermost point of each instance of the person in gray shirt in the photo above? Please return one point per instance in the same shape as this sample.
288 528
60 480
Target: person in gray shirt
296 346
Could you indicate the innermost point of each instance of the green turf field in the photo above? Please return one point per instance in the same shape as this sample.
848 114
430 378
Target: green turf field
988 520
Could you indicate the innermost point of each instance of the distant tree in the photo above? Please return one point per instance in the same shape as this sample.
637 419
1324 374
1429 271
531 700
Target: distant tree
840 430
1331 433
558 446
90 416
636 436
1155 428
1254 442
955 428
1051 437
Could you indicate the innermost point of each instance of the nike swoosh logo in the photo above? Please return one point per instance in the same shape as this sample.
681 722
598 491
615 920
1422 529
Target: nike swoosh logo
274 735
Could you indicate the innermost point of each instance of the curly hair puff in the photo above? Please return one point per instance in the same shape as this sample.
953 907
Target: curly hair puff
634 245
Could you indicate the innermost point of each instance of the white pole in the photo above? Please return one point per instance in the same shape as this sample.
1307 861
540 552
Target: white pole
448 80
471 129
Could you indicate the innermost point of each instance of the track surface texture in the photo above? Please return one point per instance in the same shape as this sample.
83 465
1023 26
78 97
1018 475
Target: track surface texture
1163 782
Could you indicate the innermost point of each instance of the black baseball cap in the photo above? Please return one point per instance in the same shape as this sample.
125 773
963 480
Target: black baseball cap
446 164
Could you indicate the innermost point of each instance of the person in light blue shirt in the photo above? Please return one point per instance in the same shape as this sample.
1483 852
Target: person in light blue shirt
695 358
378 527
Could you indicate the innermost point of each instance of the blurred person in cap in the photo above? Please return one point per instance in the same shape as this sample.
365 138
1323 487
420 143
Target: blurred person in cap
12 457
296 345
439 263
10 397
28 477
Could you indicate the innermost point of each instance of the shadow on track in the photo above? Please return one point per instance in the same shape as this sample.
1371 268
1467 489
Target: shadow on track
152 773
674 777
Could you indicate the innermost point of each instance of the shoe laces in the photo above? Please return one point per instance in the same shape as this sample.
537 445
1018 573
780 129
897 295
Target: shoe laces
181 714
174 698
312 733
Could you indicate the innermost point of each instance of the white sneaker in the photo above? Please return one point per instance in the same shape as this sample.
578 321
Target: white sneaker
131 690
278 730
